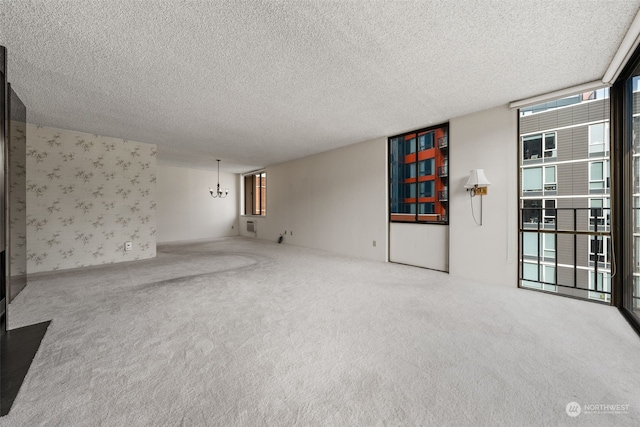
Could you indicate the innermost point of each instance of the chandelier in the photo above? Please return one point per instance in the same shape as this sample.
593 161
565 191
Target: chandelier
218 193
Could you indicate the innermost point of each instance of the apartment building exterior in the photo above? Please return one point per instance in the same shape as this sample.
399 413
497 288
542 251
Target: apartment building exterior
418 175
565 214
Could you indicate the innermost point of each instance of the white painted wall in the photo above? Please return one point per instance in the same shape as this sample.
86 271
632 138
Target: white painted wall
334 201
485 140
422 245
185 210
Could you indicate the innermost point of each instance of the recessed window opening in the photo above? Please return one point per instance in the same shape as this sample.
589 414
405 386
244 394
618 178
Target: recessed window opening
255 193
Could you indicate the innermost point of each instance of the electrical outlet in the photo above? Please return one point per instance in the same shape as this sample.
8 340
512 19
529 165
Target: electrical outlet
128 246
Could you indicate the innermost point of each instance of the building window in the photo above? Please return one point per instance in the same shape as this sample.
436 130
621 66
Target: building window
539 146
599 214
532 180
598 139
418 175
425 167
550 178
598 176
425 141
531 211
549 212
426 188
535 210
539 245
538 179
600 286
599 250
541 276
255 194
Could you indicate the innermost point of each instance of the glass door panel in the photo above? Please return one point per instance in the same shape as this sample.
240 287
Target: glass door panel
632 119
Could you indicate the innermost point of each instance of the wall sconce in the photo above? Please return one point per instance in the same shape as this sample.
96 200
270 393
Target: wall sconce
477 185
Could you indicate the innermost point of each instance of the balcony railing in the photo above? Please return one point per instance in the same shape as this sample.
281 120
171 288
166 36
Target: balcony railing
443 142
443 195
566 250
443 171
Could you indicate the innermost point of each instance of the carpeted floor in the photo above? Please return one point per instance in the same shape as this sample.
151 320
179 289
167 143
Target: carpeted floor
245 332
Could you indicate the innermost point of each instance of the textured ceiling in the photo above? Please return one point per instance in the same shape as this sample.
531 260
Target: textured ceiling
256 83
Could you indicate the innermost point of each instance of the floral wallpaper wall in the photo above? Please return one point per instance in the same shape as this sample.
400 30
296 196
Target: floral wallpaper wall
86 196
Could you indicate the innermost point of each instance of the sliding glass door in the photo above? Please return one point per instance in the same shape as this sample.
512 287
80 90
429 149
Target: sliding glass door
626 205
632 288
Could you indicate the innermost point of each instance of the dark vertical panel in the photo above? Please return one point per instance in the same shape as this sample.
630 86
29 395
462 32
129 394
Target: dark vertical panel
3 121
248 194
17 194
18 346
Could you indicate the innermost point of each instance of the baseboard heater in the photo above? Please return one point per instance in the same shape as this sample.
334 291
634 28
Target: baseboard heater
251 226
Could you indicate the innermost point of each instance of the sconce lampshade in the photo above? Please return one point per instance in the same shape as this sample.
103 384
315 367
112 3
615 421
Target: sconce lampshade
477 178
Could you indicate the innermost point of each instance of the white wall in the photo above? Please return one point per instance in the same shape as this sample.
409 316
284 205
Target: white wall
334 201
486 140
186 211
422 245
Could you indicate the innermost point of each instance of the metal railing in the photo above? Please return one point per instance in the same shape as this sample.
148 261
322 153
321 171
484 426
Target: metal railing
443 196
569 226
443 171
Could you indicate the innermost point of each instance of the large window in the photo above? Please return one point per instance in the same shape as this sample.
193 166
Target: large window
565 215
418 175
255 193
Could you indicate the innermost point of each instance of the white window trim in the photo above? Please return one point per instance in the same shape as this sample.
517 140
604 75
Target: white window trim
544 149
555 178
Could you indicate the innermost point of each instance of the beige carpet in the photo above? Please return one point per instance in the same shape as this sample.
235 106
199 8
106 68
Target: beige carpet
240 332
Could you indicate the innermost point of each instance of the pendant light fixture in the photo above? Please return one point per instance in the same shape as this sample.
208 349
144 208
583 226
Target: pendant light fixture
218 193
